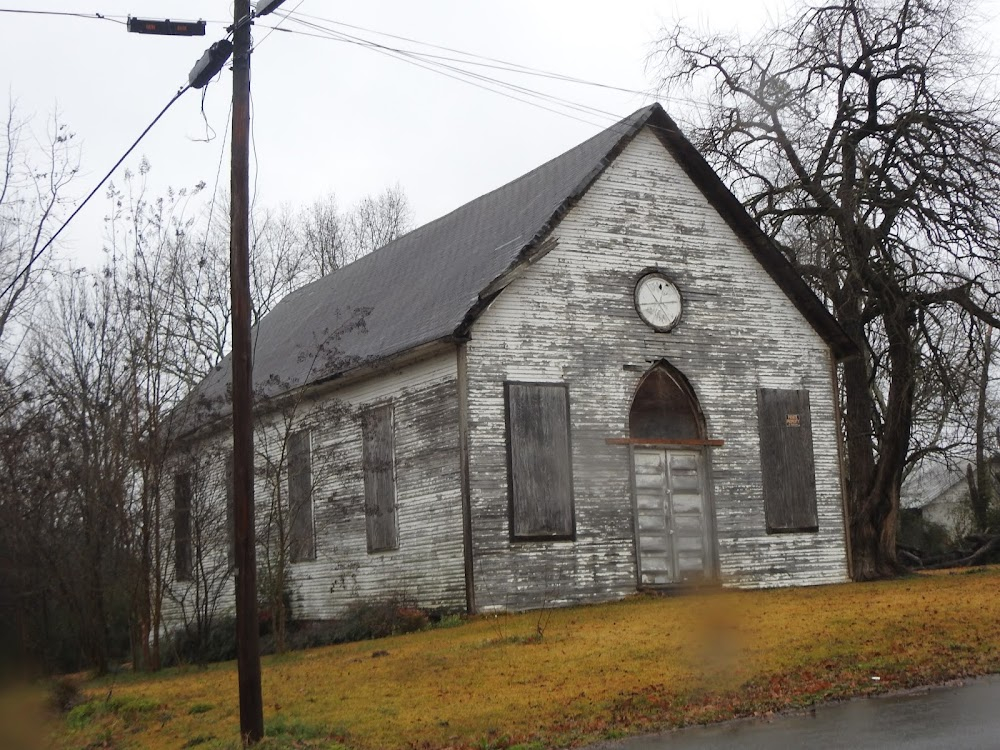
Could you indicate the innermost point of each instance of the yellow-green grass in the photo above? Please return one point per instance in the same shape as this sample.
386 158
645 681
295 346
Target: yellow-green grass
598 671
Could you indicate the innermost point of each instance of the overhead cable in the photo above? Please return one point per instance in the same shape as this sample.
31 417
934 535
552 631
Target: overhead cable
38 254
90 16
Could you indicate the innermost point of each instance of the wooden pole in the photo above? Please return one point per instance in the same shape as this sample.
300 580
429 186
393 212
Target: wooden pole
247 633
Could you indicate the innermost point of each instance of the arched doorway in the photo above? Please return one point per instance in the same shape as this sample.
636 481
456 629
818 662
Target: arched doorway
674 529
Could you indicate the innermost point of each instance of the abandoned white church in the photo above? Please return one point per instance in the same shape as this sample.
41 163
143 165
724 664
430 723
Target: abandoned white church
598 378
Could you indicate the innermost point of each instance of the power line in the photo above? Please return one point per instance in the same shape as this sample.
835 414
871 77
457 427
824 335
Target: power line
90 16
253 149
436 63
38 254
442 62
469 77
492 62
432 61
452 67
218 172
277 26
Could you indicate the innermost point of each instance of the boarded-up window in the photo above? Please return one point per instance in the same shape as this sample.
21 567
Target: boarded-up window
380 481
786 458
182 526
302 538
540 472
230 532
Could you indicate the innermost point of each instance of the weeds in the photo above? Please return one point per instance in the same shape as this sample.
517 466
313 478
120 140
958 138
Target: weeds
448 621
283 726
129 708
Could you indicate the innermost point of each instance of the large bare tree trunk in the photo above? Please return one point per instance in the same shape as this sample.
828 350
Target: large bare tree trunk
981 491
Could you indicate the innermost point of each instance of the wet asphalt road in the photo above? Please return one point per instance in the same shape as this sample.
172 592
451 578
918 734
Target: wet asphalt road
964 717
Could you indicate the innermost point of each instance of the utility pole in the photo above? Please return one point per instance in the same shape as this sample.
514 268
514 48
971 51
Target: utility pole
247 622
247 633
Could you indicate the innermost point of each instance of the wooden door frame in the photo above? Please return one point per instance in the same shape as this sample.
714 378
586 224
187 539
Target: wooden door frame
712 554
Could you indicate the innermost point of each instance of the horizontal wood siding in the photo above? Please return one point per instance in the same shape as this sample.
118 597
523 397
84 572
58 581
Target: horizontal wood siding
570 318
428 564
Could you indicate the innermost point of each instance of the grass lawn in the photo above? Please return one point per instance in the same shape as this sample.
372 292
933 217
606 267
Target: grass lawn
596 672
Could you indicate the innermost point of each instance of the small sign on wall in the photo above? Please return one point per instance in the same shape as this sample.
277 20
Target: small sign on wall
792 420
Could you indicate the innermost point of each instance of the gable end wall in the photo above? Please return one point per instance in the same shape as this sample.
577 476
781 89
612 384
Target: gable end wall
570 318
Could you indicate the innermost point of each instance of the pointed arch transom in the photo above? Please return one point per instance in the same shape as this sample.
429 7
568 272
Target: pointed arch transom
665 407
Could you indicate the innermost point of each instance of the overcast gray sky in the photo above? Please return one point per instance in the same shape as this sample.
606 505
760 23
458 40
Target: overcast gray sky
333 116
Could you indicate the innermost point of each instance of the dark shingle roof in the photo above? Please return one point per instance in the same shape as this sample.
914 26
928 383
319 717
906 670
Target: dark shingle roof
427 284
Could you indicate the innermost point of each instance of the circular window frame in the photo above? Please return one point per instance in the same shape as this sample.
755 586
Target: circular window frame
641 277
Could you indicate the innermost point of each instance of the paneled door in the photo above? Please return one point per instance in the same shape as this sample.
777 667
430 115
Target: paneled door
673 529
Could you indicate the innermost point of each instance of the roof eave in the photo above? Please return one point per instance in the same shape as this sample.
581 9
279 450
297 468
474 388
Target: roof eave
317 388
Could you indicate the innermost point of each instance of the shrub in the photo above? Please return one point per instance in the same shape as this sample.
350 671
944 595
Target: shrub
190 647
363 620
65 695
924 537
378 618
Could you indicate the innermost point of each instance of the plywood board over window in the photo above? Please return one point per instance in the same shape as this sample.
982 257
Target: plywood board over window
380 480
302 532
540 467
230 511
786 460
183 494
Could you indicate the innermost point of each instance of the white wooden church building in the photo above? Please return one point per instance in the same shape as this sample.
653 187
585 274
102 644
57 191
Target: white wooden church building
598 378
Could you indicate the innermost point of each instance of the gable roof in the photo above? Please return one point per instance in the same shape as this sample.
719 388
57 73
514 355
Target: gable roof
931 479
431 283
934 476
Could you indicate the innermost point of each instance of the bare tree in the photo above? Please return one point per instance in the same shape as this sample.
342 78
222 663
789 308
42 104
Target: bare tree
201 579
285 441
146 236
331 239
378 220
30 482
32 183
324 236
78 358
864 136
87 454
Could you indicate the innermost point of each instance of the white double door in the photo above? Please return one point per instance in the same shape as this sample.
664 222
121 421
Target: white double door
673 525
